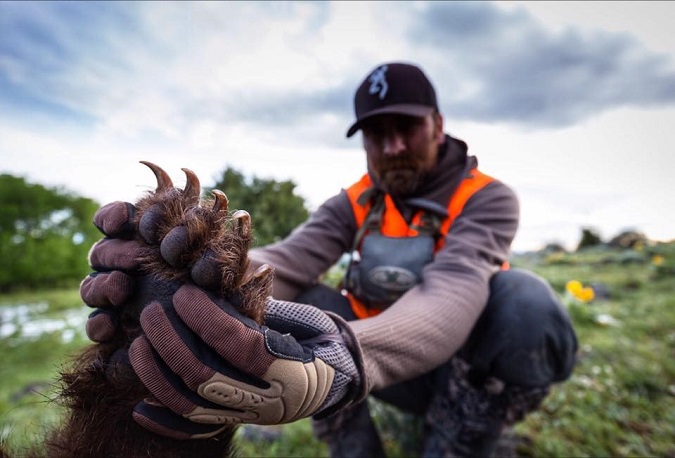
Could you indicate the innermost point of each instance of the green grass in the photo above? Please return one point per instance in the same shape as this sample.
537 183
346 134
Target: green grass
295 439
620 401
30 363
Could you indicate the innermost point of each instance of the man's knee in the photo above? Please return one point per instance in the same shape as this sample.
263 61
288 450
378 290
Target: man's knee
524 336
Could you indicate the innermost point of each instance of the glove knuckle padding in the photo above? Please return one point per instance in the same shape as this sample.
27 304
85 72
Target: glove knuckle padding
296 390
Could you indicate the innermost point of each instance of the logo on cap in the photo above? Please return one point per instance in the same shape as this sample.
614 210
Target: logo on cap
378 82
395 88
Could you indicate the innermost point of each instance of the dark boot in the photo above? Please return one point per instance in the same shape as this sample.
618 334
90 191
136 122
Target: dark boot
350 433
468 419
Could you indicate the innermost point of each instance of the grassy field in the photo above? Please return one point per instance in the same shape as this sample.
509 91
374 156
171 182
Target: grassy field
620 400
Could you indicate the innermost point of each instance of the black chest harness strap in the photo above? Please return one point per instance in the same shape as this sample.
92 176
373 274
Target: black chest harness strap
383 268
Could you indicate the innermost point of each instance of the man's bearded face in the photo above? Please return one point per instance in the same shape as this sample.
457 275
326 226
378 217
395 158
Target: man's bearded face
402 150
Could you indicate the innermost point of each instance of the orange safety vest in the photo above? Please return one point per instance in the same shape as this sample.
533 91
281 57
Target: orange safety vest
394 225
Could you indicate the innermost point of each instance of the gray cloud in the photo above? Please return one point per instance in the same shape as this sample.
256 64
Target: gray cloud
495 65
489 64
503 66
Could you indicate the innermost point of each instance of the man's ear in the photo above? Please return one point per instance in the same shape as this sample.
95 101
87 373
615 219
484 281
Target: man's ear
439 135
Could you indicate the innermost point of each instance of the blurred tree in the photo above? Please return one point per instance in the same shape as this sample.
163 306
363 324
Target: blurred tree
628 239
589 238
274 207
45 235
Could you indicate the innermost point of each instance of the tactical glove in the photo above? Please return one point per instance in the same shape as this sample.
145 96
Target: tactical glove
109 286
209 367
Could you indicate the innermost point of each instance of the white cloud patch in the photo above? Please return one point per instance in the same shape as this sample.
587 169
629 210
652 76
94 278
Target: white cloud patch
576 118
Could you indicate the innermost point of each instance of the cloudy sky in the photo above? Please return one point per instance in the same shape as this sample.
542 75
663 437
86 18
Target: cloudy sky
572 103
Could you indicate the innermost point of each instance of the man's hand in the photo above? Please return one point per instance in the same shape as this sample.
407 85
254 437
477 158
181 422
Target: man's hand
208 366
109 286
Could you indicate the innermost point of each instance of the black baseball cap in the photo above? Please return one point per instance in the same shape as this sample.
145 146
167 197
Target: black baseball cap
396 88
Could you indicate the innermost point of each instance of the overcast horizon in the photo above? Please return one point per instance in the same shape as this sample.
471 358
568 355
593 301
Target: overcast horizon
572 104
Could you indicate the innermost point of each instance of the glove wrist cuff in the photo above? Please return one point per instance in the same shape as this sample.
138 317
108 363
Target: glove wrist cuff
358 391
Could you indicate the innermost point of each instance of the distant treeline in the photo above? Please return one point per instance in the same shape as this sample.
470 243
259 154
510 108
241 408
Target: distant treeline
46 233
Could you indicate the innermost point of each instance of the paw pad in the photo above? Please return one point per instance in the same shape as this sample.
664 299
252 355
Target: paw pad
190 239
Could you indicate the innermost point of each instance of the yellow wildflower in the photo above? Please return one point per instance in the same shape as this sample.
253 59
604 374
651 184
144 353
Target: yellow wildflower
657 260
586 294
573 286
577 290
